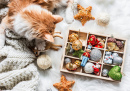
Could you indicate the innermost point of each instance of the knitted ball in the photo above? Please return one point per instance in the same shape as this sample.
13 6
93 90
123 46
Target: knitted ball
103 19
44 62
95 55
89 68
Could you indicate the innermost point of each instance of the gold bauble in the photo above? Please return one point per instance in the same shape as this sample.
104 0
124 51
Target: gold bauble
77 45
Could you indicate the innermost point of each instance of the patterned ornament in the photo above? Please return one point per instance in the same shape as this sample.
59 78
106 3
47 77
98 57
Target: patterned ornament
77 45
84 15
115 73
108 58
105 72
73 37
64 85
78 63
95 55
71 67
119 44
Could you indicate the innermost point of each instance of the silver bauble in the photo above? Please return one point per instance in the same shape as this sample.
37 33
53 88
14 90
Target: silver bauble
95 55
67 60
115 55
71 49
105 72
117 60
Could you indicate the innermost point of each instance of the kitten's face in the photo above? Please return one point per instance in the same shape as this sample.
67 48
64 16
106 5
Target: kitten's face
43 23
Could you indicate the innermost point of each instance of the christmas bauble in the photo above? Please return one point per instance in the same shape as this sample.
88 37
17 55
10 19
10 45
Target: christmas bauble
67 60
44 62
71 66
103 19
89 68
117 60
95 55
73 37
105 72
114 55
77 45
78 63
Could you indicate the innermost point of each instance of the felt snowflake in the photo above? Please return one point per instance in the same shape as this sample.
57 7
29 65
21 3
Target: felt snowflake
84 15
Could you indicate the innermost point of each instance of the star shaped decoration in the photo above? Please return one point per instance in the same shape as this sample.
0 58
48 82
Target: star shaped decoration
64 85
84 15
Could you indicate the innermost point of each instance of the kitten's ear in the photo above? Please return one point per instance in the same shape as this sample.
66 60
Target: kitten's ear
57 18
48 37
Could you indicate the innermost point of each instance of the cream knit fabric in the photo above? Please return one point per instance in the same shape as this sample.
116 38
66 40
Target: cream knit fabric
17 70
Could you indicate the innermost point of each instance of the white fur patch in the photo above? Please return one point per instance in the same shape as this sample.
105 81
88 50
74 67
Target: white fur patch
22 27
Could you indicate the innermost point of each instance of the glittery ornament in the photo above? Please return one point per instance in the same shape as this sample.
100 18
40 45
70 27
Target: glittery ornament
64 85
77 45
95 55
119 44
78 63
73 37
105 72
71 67
115 73
44 62
103 19
111 39
89 68
84 15
67 60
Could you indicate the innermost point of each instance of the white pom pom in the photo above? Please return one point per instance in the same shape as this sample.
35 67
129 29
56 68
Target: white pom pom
44 62
103 19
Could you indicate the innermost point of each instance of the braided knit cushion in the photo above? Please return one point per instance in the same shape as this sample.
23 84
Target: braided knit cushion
17 70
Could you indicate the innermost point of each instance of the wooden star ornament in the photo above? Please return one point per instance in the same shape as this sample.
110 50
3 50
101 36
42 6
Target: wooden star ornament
84 15
64 85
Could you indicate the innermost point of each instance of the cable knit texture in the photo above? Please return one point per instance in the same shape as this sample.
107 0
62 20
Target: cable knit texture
17 70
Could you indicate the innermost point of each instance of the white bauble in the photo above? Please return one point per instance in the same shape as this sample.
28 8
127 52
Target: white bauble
103 19
117 60
88 68
44 62
105 72
114 55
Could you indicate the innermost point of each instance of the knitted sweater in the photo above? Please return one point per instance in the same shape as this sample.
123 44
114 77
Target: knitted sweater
17 70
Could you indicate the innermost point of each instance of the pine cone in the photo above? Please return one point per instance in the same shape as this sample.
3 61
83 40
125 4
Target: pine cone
119 44
111 40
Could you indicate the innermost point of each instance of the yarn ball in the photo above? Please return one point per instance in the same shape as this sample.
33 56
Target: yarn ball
95 55
103 19
117 60
105 72
67 60
44 62
88 68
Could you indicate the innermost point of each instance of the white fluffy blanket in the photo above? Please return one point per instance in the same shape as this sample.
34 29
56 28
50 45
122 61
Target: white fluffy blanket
119 26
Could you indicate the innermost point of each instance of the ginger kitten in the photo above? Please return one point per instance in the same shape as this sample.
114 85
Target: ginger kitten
32 19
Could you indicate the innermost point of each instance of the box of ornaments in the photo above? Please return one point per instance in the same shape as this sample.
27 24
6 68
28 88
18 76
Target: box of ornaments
94 55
